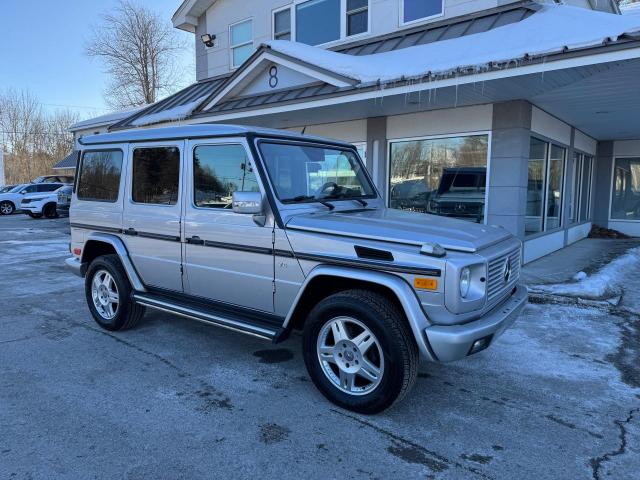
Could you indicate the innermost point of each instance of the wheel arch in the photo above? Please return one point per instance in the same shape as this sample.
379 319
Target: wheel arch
326 280
98 244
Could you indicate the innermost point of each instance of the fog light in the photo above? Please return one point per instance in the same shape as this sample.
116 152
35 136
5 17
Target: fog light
480 345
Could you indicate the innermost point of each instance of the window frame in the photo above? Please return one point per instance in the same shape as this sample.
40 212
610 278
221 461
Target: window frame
545 186
232 47
76 189
611 189
191 180
180 173
577 193
487 133
343 23
402 23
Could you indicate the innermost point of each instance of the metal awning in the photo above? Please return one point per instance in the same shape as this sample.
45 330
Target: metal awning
68 162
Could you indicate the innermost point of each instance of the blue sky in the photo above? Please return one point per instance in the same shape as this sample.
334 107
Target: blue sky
42 50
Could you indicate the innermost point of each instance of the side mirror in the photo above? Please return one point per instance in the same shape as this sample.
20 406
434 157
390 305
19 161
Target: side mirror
249 203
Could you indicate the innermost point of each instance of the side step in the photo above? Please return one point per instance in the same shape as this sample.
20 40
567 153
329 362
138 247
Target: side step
232 318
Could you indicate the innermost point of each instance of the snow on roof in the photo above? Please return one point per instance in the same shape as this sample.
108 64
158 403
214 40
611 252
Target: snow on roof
106 119
176 113
551 30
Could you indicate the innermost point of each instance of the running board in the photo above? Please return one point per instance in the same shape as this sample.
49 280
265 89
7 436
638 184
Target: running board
211 315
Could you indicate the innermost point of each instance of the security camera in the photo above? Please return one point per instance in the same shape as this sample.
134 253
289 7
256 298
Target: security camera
208 40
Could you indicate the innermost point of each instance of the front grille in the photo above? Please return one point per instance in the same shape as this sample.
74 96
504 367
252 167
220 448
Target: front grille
496 285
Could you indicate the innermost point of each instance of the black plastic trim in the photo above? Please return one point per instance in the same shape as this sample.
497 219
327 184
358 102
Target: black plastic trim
96 228
370 265
373 254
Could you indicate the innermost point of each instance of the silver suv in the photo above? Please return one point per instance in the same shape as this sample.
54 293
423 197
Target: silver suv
265 232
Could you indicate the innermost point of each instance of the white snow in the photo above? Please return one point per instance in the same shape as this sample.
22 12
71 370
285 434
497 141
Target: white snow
106 119
551 30
176 113
603 284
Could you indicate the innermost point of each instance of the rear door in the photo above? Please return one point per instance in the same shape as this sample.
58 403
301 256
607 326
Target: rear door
228 256
152 213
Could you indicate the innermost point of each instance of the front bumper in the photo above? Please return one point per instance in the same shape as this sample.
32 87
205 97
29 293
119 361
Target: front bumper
75 266
453 342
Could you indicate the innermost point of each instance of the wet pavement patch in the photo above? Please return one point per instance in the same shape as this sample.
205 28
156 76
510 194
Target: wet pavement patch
277 355
271 433
476 457
414 454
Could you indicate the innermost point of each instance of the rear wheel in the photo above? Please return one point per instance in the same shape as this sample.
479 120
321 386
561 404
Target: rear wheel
108 294
359 351
7 208
49 210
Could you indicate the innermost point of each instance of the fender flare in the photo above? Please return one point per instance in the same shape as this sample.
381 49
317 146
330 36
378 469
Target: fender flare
409 302
122 252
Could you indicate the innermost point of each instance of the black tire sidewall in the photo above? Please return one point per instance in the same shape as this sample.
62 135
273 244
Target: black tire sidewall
13 208
386 392
49 211
111 264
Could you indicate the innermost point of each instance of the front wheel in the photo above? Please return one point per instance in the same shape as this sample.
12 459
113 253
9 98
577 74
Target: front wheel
50 211
359 351
108 294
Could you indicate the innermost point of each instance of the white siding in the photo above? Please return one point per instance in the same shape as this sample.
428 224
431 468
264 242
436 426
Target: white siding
626 148
550 127
441 122
585 143
353 132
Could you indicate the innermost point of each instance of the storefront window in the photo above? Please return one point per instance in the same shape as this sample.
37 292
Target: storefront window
582 178
625 201
535 186
554 187
444 176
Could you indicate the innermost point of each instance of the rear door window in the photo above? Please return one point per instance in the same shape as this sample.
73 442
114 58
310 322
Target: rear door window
156 175
100 173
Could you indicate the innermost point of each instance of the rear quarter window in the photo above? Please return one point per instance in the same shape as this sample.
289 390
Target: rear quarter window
156 175
100 173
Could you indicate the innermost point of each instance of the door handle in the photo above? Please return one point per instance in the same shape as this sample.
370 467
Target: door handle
195 240
130 231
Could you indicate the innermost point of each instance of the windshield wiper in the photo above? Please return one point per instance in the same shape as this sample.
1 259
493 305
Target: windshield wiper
342 196
301 198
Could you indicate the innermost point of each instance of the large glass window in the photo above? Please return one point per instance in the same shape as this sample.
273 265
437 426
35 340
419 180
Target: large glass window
282 24
306 173
218 171
100 176
318 21
357 17
544 187
241 42
625 201
156 175
582 179
444 176
414 10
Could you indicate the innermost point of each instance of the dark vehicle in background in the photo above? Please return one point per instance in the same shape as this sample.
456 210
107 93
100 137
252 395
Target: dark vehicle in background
54 179
461 194
64 200
413 195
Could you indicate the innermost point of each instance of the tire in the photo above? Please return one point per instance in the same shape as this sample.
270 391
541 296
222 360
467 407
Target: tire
49 211
392 350
35 215
122 314
7 208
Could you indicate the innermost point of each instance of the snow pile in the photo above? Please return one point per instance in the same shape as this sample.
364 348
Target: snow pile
604 284
176 113
107 119
550 30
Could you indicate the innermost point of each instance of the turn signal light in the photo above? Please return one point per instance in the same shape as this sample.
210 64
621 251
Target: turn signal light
77 251
425 283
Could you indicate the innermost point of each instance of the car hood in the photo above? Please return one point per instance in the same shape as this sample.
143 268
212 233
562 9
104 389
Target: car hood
400 226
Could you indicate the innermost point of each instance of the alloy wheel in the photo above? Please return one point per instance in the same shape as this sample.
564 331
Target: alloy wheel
350 356
104 293
6 208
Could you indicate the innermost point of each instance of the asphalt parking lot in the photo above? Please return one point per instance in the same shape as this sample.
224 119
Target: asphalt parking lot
558 396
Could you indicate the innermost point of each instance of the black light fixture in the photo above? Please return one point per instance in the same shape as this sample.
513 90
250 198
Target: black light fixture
208 40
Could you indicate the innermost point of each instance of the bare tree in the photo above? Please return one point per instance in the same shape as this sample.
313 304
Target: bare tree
139 51
33 140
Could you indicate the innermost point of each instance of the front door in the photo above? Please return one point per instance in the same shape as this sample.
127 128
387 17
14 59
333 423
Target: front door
228 256
152 213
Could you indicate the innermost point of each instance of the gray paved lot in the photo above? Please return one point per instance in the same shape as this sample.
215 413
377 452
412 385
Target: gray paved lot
557 397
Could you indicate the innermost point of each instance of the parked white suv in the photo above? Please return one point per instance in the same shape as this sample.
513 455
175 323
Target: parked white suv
11 200
264 232
40 204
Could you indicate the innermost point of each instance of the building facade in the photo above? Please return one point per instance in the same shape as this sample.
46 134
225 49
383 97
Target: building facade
521 114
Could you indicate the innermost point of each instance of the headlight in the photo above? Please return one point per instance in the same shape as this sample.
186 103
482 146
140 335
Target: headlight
465 282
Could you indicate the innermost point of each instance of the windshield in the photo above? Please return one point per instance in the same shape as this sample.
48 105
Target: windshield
16 189
308 173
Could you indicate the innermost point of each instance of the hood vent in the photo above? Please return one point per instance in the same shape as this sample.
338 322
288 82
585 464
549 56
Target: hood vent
373 254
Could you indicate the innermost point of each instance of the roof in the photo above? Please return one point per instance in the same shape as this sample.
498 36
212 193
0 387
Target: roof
174 107
192 131
104 120
67 162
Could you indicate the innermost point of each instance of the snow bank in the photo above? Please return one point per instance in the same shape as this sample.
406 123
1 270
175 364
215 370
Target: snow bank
176 113
603 284
551 30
